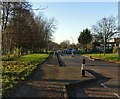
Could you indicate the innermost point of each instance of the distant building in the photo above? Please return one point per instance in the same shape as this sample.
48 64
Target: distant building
115 42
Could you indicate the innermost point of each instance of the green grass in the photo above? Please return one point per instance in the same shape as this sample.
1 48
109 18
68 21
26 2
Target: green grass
32 58
19 69
113 56
5 58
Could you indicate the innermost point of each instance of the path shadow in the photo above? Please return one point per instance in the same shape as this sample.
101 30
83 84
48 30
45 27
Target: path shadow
61 62
73 89
98 76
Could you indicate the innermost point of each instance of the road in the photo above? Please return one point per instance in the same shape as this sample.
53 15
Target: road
107 73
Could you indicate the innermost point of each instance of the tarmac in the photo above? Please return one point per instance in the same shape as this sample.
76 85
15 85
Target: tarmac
76 80
53 80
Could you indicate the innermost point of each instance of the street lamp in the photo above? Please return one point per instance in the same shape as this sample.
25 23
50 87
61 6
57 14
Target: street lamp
104 36
119 29
72 39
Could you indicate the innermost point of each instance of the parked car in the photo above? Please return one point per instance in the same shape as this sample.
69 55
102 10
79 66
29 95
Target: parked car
69 51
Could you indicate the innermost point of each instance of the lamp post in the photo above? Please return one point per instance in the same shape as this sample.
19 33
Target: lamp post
72 40
72 47
119 29
104 36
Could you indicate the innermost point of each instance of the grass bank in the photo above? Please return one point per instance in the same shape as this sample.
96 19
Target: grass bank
19 69
112 57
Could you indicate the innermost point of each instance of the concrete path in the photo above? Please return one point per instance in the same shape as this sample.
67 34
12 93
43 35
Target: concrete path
50 80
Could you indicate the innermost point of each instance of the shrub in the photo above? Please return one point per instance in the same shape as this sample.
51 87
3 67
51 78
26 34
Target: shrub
108 50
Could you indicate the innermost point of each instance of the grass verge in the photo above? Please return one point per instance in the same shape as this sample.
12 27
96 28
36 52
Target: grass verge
15 71
112 57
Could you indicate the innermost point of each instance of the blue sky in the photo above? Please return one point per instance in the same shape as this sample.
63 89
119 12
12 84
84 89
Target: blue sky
73 17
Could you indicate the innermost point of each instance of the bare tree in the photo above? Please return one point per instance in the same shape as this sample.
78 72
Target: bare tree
47 27
105 28
11 18
22 30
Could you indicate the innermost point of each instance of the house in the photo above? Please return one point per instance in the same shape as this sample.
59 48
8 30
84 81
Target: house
115 42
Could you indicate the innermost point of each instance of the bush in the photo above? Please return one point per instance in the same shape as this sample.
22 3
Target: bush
108 50
77 52
95 50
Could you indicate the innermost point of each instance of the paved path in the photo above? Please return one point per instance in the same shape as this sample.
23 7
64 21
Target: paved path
49 80
42 83
107 88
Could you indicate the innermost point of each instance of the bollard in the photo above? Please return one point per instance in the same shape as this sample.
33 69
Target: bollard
82 68
72 54
91 57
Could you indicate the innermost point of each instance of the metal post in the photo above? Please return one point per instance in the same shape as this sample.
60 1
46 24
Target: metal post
118 29
82 68
104 48
104 19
